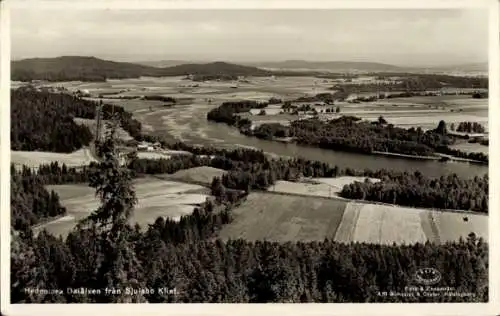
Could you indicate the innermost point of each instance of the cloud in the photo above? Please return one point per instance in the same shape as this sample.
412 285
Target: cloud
382 35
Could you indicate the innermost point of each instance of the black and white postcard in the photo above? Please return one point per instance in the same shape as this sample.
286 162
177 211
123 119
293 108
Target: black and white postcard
266 152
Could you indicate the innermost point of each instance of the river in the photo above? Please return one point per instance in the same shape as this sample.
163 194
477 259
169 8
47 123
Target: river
189 124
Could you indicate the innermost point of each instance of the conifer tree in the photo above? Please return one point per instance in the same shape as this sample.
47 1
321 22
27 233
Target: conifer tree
119 267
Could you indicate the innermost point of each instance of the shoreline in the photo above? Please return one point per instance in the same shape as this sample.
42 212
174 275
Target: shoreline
381 153
438 157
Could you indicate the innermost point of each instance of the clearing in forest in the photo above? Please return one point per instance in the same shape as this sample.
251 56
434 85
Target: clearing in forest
156 198
34 159
202 175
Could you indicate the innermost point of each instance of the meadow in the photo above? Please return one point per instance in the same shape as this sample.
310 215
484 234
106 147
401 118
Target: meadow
200 175
284 218
156 197
33 159
277 217
325 187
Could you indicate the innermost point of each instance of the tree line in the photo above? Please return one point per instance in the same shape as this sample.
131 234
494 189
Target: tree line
470 127
413 190
418 82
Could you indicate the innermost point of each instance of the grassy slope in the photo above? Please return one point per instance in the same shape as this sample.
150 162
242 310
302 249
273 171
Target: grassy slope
155 198
285 218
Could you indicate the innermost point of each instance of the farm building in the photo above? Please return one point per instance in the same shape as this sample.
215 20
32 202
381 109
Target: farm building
145 147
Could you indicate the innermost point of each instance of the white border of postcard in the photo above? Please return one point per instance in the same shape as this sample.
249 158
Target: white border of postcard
491 308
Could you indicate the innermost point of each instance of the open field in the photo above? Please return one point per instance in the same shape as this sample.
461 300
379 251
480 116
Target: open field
151 155
317 186
155 198
382 224
202 175
284 218
471 147
279 217
320 189
338 183
34 159
131 105
451 226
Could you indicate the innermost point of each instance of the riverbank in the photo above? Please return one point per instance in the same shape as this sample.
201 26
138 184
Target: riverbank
459 159
405 156
438 157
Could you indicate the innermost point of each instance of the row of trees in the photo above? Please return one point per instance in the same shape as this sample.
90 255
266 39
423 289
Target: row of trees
420 82
469 127
159 98
413 190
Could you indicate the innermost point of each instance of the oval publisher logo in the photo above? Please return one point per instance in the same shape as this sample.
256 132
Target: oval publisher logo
427 276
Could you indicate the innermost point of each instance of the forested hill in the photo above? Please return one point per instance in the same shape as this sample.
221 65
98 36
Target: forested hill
215 68
81 68
33 114
67 68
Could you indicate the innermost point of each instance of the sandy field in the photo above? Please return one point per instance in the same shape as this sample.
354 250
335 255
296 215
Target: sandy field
155 198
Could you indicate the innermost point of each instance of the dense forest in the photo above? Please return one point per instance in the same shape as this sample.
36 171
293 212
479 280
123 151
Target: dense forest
156 269
183 261
44 122
414 190
30 201
33 114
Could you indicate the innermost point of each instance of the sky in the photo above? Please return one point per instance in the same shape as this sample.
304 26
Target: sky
399 37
